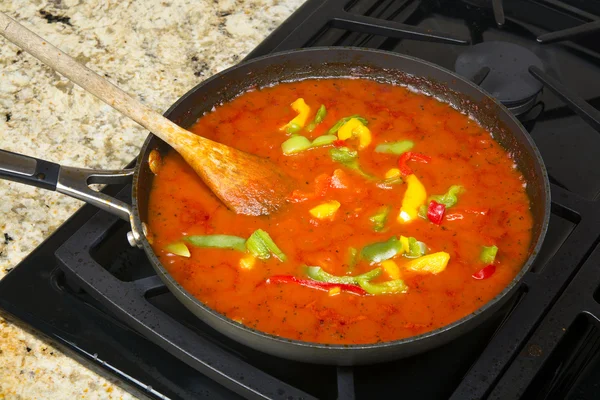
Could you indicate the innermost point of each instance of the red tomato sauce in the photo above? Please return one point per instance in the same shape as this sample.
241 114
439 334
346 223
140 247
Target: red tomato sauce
493 209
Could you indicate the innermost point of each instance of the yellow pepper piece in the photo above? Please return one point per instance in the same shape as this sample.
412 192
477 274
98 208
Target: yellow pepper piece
335 291
247 262
303 111
355 128
405 244
431 263
392 173
391 268
414 197
325 210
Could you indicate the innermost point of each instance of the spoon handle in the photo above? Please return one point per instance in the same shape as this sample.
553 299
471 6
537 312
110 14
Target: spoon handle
92 82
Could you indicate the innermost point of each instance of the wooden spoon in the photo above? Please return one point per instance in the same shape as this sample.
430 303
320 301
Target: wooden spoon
247 184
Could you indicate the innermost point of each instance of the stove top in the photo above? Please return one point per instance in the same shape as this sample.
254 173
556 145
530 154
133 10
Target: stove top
99 299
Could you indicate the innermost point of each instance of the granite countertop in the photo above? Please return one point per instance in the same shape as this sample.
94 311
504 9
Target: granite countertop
155 49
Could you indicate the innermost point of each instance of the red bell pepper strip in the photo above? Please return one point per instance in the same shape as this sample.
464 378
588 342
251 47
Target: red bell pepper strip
354 289
339 143
405 170
435 212
485 272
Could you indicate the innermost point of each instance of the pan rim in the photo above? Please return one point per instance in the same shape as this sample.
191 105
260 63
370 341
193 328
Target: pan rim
423 337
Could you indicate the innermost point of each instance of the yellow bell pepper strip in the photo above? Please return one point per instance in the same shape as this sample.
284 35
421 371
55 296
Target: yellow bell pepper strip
334 291
299 121
295 144
355 128
179 249
391 268
414 197
395 147
342 121
348 158
326 210
488 254
217 241
380 218
405 244
247 262
389 287
381 251
431 263
261 246
319 117
318 274
449 198
392 173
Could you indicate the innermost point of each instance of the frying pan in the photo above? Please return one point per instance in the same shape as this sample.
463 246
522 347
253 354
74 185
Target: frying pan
292 66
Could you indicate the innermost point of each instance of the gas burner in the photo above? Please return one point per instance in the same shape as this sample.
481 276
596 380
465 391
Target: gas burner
508 78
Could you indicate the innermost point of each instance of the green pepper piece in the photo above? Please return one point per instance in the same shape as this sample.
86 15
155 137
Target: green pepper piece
352 258
319 117
293 128
295 144
260 245
342 121
449 198
380 218
217 241
348 158
318 274
415 248
381 251
179 249
395 147
422 213
488 254
323 140
389 287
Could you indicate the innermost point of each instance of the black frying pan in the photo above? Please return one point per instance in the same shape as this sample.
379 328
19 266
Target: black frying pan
289 66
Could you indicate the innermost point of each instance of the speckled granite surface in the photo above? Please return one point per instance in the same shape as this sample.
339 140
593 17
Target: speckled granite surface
155 49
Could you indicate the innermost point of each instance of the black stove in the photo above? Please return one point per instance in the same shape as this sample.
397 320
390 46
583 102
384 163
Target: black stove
99 300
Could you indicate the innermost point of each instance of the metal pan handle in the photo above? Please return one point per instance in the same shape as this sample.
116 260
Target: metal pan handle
67 180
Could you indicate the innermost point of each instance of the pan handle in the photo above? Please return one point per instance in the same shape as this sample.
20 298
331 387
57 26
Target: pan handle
67 180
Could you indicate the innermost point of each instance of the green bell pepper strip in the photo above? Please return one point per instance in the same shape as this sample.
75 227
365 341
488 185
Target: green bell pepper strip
389 287
381 251
395 147
352 258
342 121
319 117
318 274
415 248
488 254
380 218
217 241
295 144
449 198
323 140
261 246
293 128
348 158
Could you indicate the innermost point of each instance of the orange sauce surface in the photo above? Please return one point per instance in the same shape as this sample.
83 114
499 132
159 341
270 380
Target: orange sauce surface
461 153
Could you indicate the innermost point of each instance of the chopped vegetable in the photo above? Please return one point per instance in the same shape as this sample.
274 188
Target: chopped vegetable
334 291
217 241
348 158
319 117
431 263
413 199
415 248
318 274
389 287
380 218
323 140
395 147
179 249
392 173
299 121
405 244
380 251
352 258
342 121
391 268
355 128
354 289
449 198
261 246
410 156
485 272
488 254
435 212
154 161
325 210
247 262
295 144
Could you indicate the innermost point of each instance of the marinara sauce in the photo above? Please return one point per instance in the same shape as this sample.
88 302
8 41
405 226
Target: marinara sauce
492 209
